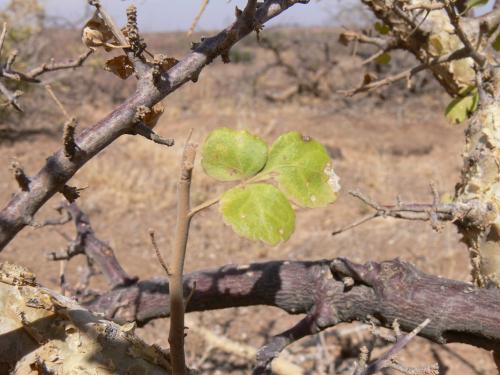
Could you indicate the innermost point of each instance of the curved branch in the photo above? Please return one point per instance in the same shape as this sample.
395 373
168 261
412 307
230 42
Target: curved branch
385 291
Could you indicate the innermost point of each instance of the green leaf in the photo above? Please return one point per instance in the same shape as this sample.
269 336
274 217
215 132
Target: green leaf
463 106
382 28
303 170
496 43
259 212
474 3
230 155
383 59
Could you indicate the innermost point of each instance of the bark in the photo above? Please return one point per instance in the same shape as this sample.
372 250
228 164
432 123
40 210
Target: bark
45 333
385 291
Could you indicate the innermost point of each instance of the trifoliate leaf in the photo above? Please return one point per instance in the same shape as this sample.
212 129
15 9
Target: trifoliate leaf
382 28
303 170
259 212
463 106
230 155
121 66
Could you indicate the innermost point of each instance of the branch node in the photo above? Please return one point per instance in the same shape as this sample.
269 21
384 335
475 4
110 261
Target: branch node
71 193
22 179
70 146
137 44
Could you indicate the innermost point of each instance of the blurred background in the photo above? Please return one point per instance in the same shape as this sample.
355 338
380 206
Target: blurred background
387 143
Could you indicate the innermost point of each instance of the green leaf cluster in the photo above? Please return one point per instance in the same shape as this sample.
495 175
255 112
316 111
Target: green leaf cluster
463 106
295 169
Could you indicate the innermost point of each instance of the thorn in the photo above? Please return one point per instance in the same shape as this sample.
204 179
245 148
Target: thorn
71 193
225 57
69 143
22 180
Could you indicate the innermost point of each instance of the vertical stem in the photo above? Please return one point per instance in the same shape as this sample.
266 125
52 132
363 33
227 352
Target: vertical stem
176 335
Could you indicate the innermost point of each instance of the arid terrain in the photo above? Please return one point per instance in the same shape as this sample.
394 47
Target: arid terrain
391 143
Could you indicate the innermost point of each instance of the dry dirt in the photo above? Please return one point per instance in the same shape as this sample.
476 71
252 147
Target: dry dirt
385 146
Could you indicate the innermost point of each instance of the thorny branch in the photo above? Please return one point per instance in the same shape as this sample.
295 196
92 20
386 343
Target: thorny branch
7 71
59 169
435 212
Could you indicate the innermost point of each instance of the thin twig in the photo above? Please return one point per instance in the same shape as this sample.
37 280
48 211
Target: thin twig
455 21
53 66
196 19
2 36
177 306
407 74
279 366
384 360
158 253
58 102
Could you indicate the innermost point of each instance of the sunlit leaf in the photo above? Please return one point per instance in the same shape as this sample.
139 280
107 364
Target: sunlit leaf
230 155
303 170
463 106
259 212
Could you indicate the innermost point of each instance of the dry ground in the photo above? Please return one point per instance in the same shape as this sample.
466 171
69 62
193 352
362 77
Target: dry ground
382 147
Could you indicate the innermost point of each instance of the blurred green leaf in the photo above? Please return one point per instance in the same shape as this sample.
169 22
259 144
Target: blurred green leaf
383 59
230 155
496 43
474 3
259 212
463 106
382 28
303 170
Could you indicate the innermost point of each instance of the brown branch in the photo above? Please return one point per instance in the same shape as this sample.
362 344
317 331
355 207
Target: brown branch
53 66
387 291
148 133
379 292
459 31
384 360
177 306
409 73
2 36
280 366
97 251
435 212
11 96
59 169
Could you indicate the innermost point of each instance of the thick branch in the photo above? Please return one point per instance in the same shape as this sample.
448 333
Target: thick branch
386 291
59 169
